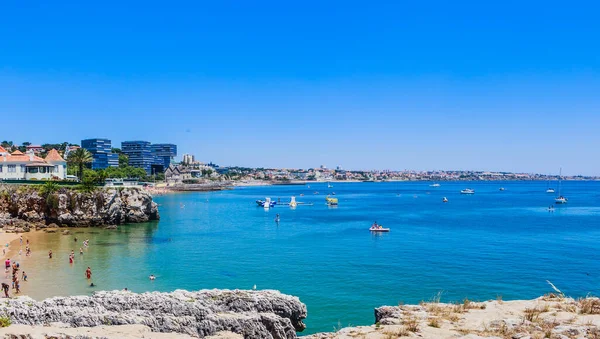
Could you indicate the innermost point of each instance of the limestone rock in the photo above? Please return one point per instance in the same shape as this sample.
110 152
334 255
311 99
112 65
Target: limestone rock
252 314
67 207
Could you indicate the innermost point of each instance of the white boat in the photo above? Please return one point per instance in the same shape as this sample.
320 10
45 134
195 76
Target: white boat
560 199
435 185
378 228
293 202
329 185
445 199
502 189
549 189
467 191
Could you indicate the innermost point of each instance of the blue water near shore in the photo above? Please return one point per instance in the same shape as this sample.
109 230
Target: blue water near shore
481 246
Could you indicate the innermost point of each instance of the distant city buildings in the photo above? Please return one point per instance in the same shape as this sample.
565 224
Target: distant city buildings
101 150
165 153
188 159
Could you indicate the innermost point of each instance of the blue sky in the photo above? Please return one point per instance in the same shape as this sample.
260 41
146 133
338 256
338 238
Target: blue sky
426 85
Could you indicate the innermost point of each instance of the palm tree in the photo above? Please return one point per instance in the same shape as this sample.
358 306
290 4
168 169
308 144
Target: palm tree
80 158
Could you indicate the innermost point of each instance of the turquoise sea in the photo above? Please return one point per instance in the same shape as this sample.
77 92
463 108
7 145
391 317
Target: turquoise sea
482 246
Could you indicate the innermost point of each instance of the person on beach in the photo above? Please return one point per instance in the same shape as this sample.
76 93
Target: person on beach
5 288
50 254
21 239
17 285
24 276
88 273
7 263
27 242
81 250
71 259
20 251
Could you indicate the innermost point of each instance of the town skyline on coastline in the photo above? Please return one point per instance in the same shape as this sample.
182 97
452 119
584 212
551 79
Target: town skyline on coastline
158 158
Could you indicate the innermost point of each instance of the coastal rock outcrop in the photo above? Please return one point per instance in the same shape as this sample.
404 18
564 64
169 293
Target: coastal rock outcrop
68 207
253 314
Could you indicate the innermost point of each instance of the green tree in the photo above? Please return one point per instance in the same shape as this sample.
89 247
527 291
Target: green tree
80 158
123 160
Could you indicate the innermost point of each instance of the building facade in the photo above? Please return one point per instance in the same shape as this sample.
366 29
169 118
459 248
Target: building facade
140 155
101 150
28 166
165 153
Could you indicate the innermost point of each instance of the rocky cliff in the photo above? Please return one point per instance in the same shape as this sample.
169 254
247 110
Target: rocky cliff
253 314
26 205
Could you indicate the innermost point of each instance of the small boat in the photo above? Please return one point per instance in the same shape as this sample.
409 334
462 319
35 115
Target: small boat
550 190
561 200
331 201
445 199
329 185
266 203
502 189
378 228
467 191
435 185
293 202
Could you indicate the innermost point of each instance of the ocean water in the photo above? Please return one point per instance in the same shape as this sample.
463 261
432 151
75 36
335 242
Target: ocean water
478 247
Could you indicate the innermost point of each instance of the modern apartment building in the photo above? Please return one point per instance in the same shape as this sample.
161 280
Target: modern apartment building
165 153
140 155
101 150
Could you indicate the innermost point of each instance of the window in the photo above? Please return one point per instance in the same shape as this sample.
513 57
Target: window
12 168
1 168
23 168
56 169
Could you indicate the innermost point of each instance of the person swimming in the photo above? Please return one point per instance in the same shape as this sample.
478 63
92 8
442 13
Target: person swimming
152 277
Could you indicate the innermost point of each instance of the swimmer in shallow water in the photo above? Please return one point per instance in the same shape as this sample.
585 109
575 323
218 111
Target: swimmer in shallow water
152 277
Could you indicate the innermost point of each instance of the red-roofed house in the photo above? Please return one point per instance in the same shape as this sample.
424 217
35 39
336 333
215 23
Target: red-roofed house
28 166
35 148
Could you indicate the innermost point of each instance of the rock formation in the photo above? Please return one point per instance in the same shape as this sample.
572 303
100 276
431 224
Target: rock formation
67 207
253 314
551 316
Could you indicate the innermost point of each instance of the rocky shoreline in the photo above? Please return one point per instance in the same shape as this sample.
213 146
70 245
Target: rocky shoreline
222 313
551 316
23 207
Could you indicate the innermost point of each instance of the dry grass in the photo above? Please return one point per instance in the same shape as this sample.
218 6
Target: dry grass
411 323
397 333
434 322
589 306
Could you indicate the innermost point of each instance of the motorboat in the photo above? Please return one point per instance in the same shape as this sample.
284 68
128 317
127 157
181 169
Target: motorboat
266 203
329 185
445 199
467 191
502 189
293 202
378 228
331 201
550 190
435 185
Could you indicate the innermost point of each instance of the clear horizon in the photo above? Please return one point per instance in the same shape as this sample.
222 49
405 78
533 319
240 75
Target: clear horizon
467 86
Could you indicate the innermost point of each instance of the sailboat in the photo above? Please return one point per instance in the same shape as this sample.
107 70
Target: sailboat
560 199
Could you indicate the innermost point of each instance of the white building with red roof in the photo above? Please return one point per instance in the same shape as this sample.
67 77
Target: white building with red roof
27 166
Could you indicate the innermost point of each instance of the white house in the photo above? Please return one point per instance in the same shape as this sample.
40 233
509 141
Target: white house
28 166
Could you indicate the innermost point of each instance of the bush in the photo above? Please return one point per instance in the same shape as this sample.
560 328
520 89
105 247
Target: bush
5 321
